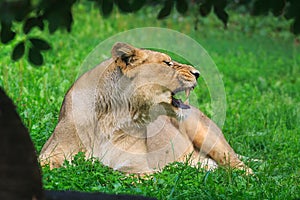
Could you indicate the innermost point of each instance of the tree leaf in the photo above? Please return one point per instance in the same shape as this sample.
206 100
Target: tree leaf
124 6
261 7
40 44
18 51
222 15
6 33
52 26
292 10
137 4
220 4
205 9
106 7
295 27
58 14
166 10
278 7
181 6
32 22
21 9
35 57
68 20
219 10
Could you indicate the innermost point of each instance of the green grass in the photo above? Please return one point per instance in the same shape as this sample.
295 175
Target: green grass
261 74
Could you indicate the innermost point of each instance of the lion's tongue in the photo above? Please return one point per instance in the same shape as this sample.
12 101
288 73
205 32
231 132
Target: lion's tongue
179 104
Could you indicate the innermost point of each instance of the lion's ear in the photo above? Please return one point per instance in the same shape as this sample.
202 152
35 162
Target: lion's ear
123 51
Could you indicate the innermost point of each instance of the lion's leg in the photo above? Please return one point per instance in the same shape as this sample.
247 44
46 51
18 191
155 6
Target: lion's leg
62 145
207 137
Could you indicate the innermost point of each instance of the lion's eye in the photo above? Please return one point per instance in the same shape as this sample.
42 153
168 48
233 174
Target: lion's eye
169 63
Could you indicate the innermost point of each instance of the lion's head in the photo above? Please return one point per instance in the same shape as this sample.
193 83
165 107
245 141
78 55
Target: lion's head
145 82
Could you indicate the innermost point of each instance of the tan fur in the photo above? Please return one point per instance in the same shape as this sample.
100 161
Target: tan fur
121 112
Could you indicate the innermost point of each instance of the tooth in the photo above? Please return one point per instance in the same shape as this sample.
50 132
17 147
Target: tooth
187 94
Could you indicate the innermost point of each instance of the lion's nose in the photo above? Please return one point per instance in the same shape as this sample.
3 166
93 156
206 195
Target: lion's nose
196 73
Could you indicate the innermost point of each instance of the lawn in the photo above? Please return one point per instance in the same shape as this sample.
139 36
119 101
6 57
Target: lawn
260 67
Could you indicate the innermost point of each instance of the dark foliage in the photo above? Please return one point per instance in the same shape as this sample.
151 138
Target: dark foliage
57 14
286 8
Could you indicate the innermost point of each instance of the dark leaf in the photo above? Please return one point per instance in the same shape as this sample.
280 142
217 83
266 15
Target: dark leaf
40 44
166 10
181 6
261 7
278 7
58 14
205 9
22 9
16 10
243 2
52 27
6 33
222 15
18 51
220 4
106 7
295 27
32 22
69 21
54 20
35 57
137 4
292 10
60 20
124 6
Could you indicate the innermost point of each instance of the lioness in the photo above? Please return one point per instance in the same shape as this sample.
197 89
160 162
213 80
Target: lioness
124 113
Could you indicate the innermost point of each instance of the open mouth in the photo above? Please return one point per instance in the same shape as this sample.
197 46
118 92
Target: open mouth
178 103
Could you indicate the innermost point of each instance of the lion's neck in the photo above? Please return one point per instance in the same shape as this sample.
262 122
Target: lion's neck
114 107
